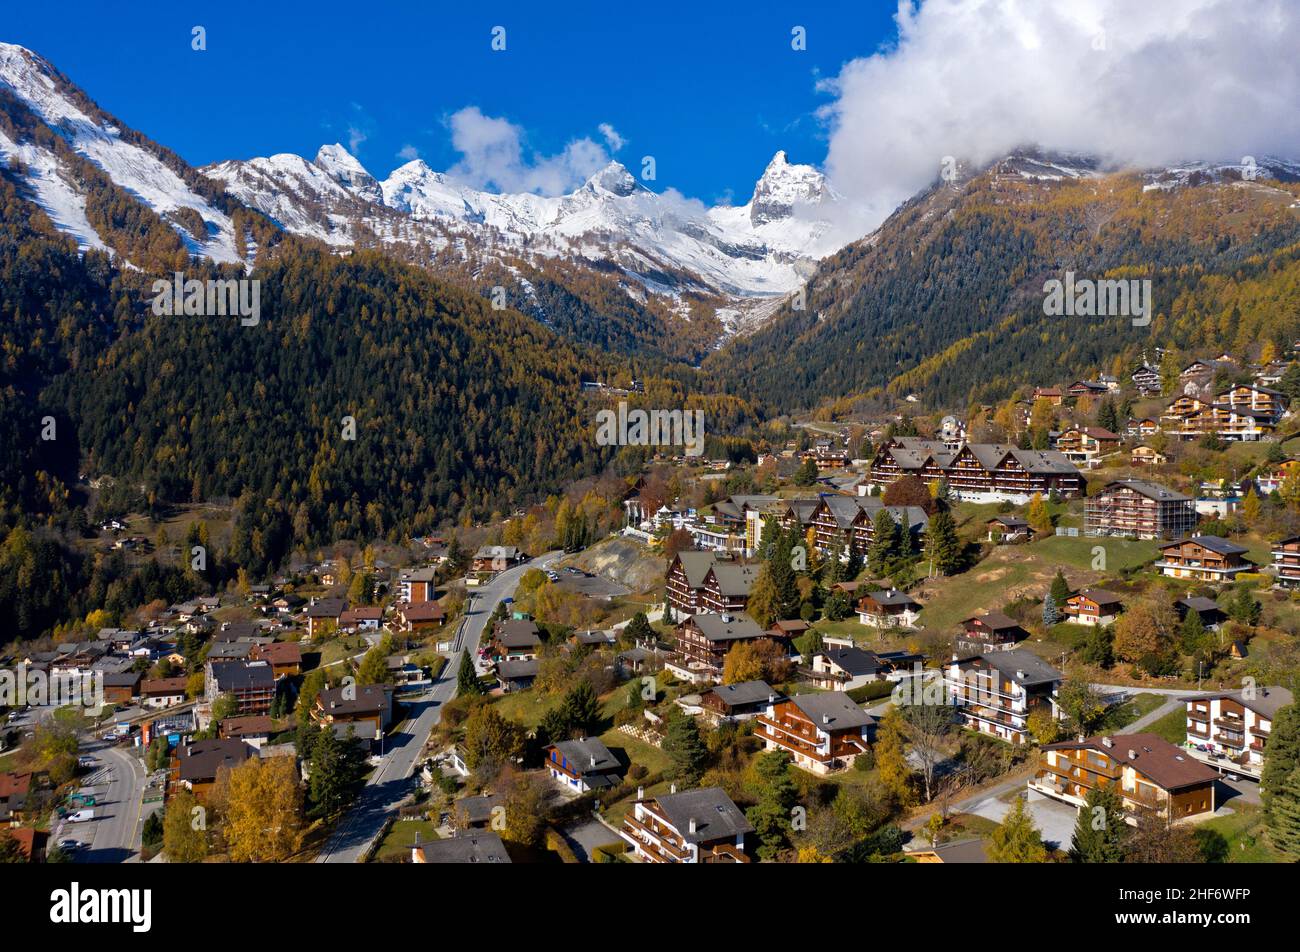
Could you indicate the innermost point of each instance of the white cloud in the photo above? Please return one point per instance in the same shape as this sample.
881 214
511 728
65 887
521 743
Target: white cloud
1136 82
408 153
356 136
612 138
493 156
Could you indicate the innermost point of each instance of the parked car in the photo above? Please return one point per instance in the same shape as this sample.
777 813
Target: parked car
81 816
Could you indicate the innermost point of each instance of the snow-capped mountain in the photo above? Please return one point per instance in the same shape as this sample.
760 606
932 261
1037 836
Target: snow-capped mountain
667 242
122 155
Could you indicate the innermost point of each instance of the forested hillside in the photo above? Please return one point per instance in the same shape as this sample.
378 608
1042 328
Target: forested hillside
946 299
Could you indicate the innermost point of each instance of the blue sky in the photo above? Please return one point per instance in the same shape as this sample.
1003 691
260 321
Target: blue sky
709 91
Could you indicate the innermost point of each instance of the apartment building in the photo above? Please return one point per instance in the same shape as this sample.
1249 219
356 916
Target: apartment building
848 523
1230 731
708 582
1203 558
703 641
694 826
1149 774
995 693
1286 561
822 733
1138 509
978 472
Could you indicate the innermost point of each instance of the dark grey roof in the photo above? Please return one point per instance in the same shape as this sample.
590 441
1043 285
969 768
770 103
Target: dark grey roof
1023 667
715 816
242 675
716 627
1214 543
587 755
833 710
516 670
1150 490
1199 603
518 633
469 848
747 692
855 661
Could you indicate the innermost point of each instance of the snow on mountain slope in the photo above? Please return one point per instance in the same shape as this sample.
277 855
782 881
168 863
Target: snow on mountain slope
667 242
50 189
36 84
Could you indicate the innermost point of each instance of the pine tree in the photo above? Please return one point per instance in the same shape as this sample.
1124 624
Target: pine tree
1284 816
685 749
776 794
1100 829
884 542
806 474
1283 752
466 678
1051 615
941 543
582 707
1060 589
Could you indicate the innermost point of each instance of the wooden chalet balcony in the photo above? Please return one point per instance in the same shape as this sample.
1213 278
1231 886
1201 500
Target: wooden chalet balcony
1230 723
659 843
725 853
778 733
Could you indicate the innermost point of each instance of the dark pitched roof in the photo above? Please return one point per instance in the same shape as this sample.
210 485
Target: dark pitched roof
587 755
469 848
1265 701
715 816
1149 489
366 699
855 661
242 675
518 633
1023 667
746 692
716 627
201 760
832 711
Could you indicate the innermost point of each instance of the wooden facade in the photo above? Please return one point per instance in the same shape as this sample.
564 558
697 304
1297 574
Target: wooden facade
1137 509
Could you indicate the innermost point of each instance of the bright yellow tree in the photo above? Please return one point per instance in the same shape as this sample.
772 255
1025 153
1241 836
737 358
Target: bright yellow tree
264 815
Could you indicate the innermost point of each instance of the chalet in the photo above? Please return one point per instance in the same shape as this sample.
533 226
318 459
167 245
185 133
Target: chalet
1150 775
195 765
496 558
708 582
515 639
1200 374
992 631
1052 395
583 765
420 616
231 651
1146 456
1144 428
822 733
1086 388
417 585
695 826
255 731
516 675
1230 731
14 790
738 702
844 668
477 813
162 692
1093 606
1212 616
121 688
1147 380
703 641
978 472
785 631
1272 480
1204 558
1084 444
284 657
847 524
365 711
1138 509
888 608
361 618
323 616
1286 561
485 848
995 693
250 683
1008 529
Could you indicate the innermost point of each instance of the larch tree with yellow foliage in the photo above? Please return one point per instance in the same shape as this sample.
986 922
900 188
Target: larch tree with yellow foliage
263 810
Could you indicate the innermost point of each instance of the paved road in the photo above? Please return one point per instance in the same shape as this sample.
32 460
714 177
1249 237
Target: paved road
391 780
118 781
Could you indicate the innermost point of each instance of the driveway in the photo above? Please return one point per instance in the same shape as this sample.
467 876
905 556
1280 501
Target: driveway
1055 820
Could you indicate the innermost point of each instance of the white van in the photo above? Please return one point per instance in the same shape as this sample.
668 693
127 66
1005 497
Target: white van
81 816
